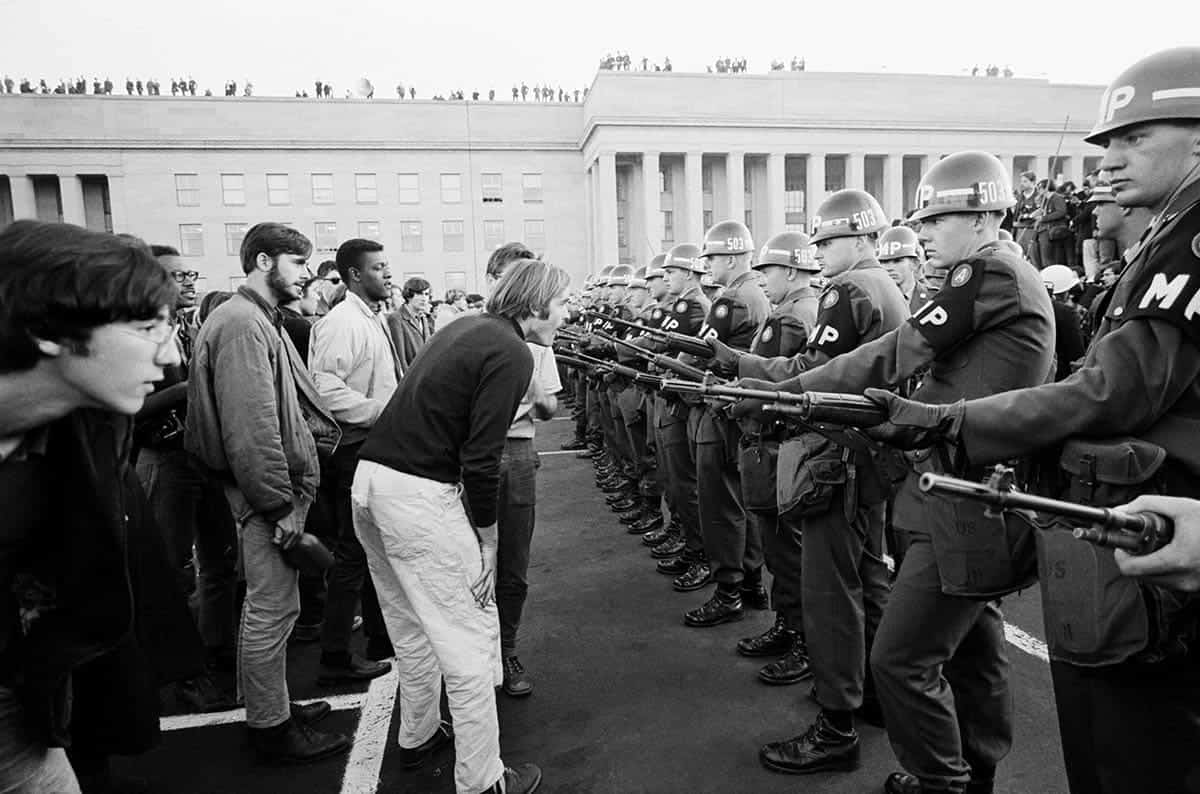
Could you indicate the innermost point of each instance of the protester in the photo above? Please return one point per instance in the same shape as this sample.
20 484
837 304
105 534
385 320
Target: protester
410 325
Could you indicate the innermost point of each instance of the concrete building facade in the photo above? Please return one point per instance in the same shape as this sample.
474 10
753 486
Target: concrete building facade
647 161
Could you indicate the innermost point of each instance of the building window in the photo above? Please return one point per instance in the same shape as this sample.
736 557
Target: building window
451 188
325 236
664 181
233 190
410 189
456 280
795 183
279 190
366 191
493 188
535 236
835 173
234 232
452 236
191 239
531 188
322 188
187 190
706 180
493 235
410 236
668 221
369 230
707 219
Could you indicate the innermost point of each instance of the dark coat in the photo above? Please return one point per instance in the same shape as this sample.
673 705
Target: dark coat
409 333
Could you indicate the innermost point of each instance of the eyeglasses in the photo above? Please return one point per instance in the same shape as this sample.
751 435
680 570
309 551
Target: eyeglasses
159 334
181 276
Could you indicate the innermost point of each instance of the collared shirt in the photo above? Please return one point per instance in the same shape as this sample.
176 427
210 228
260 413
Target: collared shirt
353 364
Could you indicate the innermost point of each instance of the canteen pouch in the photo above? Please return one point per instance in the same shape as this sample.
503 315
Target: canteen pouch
1095 616
758 460
809 471
978 556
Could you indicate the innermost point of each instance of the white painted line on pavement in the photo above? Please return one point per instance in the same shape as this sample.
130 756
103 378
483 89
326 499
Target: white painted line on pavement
370 740
560 452
183 722
1026 642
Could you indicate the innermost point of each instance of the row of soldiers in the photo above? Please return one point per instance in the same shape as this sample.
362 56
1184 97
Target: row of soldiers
950 334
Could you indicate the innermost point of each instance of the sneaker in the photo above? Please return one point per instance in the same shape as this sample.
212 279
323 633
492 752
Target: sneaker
515 683
523 779
413 757
295 742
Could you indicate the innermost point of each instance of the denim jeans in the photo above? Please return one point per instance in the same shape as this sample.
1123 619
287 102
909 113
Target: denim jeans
27 767
518 497
270 610
424 557
190 509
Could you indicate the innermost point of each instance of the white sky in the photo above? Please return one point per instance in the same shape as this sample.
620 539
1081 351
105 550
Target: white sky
284 45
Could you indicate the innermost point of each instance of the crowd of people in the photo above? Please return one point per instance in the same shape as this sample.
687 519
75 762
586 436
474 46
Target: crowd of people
991 70
320 450
621 62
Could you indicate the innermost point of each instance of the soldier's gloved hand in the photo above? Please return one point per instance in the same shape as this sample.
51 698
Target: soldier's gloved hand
915 425
724 361
751 409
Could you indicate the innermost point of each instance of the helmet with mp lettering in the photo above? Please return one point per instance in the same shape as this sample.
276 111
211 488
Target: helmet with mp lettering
686 257
727 238
620 276
848 213
639 278
898 242
602 276
1059 278
1102 193
1160 87
964 182
1004 234
789 249
655 269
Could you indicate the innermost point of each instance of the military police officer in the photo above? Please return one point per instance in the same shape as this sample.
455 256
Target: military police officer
1123 652
900 255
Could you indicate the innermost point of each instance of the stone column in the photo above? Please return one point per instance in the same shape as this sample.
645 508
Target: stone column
589 192
23 200
735 185
815 183
606 208
856 171
693 229
116 203
651 207
893 186
775 190
71 190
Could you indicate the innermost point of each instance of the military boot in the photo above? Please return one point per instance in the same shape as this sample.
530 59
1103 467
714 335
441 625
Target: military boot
754 595
671 547
904 783
724 607
791 669
651 521
633 515
674 566
821 748
697 576
625 505
657 536
775 641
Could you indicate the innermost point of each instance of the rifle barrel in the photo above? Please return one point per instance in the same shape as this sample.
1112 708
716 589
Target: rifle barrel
842 409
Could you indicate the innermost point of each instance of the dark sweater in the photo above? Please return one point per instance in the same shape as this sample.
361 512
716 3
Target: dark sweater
448 419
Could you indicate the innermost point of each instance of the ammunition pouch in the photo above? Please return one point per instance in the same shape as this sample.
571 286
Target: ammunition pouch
758 459
1094 615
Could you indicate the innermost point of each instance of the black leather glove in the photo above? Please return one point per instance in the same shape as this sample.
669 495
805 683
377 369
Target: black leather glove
751 409
915 425
724 361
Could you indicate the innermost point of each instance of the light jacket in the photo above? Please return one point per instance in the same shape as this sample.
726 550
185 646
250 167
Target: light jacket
255 418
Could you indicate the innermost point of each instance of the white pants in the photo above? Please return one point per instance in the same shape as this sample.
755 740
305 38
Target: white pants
423 555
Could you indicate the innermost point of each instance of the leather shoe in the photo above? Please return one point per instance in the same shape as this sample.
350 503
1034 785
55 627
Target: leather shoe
697 576
574 445
379 649
201 695
352 668
613 498
650 521
674 566
310 713
821 748
413 757
631 517
904 783
523 779
614 485
791 669
625 504
295 742
754 596
515 683
657 536
724 607
775 641
671 547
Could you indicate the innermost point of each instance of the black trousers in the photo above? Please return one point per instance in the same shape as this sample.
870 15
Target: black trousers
1130 728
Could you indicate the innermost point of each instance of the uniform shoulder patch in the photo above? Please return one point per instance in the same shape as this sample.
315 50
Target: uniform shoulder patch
948 317
721 311
831 298
961 275
681 307
1196 246
768 333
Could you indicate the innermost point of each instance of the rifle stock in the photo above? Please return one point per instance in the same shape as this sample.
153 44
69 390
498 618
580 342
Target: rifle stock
1136 533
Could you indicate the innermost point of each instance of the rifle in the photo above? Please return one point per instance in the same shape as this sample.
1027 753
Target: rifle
809 407
582 360
679 343
685 371
1136 533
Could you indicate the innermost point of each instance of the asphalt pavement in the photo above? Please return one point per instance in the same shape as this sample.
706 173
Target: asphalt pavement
627 699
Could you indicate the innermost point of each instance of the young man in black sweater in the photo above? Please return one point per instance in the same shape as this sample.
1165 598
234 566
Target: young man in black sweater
433 560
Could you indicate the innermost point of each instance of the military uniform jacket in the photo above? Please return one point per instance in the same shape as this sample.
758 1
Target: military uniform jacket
856 306
736 316
683 314
786 331
1139 382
